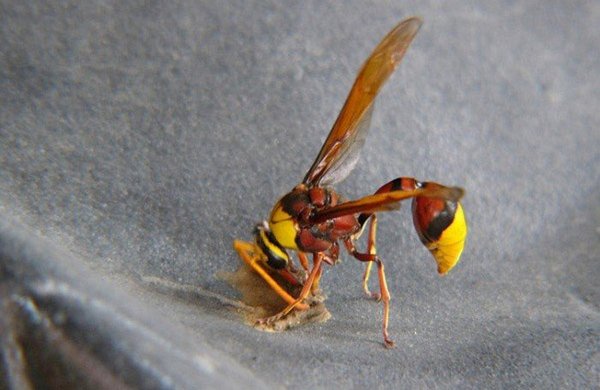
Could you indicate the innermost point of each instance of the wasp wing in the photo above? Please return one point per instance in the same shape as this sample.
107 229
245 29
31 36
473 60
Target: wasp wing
339 153
349 152
387 201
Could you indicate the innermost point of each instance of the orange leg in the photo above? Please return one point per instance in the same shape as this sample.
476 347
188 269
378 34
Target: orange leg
315 286
316 271
303 260
250 254
384 292
372 251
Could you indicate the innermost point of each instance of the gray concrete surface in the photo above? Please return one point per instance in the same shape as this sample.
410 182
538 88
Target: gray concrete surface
137 140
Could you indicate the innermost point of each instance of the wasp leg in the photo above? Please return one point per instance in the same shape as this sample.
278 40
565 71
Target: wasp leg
314 289
385 294
248 252
316 271
373 251
303 260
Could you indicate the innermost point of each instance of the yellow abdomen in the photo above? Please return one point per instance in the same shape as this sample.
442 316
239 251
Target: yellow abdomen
449 247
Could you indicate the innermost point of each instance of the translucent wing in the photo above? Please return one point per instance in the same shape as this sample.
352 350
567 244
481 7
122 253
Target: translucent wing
349 153
339 153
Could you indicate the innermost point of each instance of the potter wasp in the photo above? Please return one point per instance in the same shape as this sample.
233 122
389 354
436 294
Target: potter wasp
312 219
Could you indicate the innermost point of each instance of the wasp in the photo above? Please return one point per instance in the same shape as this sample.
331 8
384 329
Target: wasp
313 219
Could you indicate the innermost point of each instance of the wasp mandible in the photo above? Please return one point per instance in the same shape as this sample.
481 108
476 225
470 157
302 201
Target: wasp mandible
313 219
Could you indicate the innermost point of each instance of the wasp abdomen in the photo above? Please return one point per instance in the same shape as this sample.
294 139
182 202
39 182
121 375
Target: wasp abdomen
442 228
432 216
